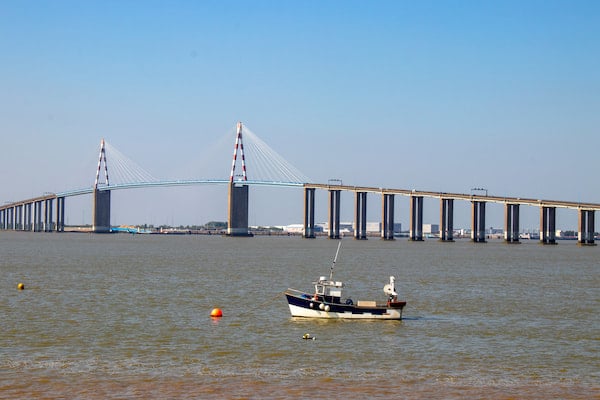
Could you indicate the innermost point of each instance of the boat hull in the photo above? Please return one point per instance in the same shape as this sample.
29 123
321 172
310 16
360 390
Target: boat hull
303 305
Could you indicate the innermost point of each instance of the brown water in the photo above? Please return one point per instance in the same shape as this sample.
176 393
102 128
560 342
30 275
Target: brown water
127 316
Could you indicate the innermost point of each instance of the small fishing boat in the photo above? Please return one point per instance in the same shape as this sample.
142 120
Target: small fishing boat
327 302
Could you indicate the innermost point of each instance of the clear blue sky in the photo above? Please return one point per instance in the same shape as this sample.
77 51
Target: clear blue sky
432 95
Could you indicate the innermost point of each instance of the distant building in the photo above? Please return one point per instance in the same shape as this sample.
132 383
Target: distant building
371 227
375 227
345 227
496 231
299 228
431 229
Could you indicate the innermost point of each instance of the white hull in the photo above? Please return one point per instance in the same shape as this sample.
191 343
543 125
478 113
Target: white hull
297 311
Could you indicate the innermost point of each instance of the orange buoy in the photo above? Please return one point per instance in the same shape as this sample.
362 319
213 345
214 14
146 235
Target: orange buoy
20 286
216 312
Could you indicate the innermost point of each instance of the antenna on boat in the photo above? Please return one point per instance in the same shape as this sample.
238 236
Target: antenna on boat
334 260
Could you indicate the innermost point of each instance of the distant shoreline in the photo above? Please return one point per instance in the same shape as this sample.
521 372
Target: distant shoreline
260 232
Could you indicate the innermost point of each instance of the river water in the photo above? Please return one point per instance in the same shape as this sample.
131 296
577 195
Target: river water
128 316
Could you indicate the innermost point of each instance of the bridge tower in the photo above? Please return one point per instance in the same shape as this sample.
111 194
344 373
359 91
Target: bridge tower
101 206
237 220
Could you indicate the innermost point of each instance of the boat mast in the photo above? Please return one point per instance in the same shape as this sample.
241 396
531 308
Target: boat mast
334 260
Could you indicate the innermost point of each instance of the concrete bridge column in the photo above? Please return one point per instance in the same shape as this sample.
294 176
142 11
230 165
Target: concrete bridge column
19 217
237 223
37 216
334 214
387 217
27 217
48 223
585 236
23 216
5 218
360 216
14 218
446 220
11 218
101 210
60 214
2 219
416 218
547 225
309 213
511 223
478 221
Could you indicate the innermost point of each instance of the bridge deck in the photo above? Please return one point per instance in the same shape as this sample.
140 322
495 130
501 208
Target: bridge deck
378 190
460 196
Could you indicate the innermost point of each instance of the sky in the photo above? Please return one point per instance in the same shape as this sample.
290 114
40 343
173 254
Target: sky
428 95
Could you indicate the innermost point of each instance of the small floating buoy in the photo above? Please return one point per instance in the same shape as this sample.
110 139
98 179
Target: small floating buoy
307 336
20 286
216 312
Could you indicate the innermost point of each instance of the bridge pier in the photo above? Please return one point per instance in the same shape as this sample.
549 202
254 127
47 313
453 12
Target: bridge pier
101 209
309 213
237 222
511 223
416 219
4 218
18 217
446 220
360 216
37 216
334 214
11 218
548 225
60 214
478 221
585 235
48 224
27 217
387 216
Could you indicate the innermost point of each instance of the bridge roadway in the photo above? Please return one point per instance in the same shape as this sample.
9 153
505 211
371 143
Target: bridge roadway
586 230
459 196
36 213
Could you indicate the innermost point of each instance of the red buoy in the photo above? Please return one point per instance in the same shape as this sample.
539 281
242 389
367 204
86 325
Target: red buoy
216 312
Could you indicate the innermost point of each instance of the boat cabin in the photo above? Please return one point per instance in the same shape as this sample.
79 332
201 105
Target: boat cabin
327 290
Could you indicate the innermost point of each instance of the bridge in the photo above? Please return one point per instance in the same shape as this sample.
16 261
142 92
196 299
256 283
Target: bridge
46 213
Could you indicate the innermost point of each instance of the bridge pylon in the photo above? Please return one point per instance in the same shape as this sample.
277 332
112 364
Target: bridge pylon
101 202
237 216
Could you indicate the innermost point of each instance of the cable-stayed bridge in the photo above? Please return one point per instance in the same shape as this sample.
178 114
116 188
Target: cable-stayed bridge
46 213
268 169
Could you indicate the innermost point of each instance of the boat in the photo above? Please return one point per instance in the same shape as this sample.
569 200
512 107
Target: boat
327 301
